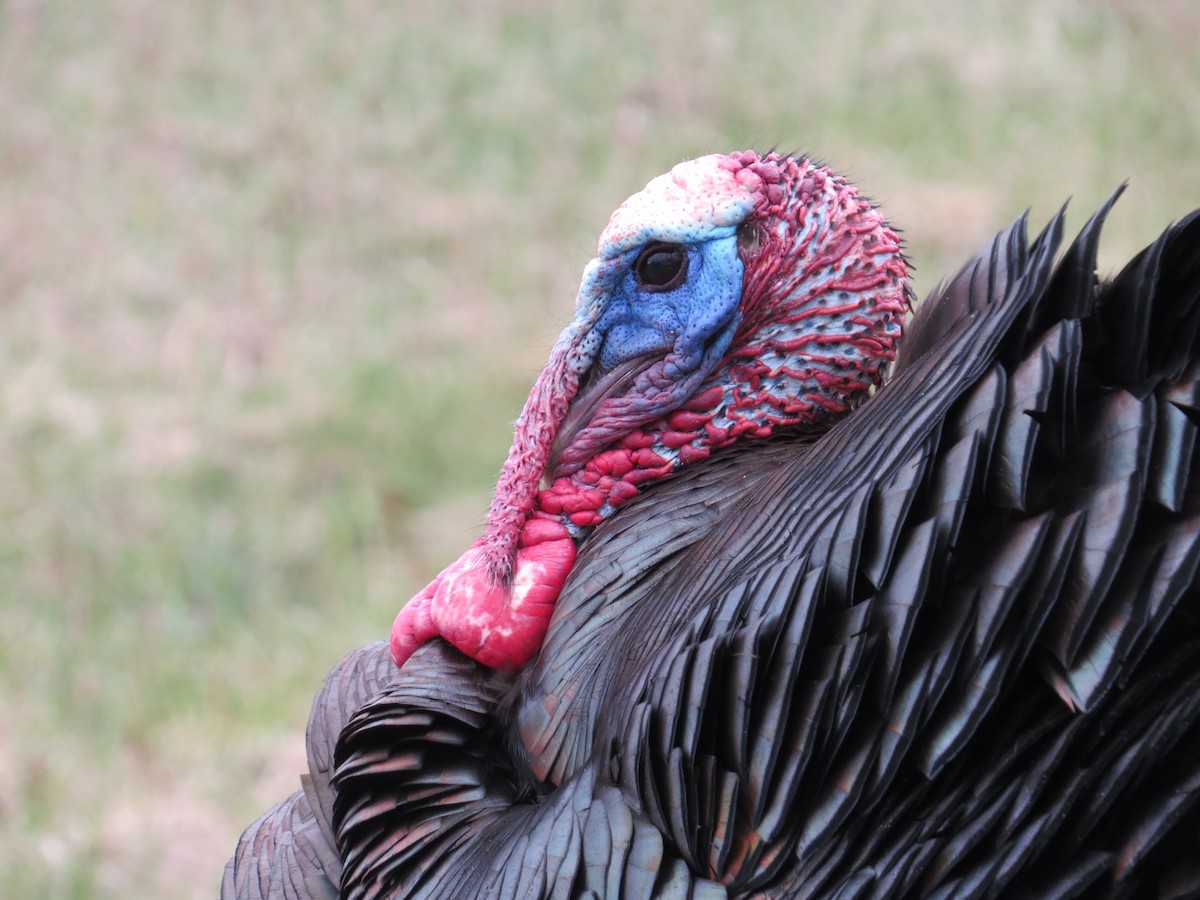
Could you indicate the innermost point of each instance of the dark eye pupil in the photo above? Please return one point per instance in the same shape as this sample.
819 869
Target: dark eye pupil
661 267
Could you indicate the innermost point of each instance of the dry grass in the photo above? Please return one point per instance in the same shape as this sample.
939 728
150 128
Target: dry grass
274 278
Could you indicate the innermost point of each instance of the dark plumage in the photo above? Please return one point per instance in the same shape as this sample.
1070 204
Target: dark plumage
949 648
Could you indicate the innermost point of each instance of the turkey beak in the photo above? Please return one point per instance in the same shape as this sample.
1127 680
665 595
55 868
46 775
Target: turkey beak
596 388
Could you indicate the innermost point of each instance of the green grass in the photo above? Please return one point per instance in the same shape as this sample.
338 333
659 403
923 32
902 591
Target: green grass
274 278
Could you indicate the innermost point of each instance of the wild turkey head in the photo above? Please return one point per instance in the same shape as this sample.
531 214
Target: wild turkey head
732 297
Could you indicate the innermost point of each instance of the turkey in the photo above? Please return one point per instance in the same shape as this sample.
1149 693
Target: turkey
742 625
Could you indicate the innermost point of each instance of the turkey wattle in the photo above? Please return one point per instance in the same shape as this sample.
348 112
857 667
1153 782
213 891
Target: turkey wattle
732 297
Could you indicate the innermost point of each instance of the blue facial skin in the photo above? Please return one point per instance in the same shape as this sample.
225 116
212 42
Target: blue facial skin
690 326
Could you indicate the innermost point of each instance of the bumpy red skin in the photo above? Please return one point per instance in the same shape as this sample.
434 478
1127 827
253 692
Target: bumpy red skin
824 293
500 623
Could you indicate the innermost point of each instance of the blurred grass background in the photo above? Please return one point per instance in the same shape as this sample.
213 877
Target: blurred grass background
275 277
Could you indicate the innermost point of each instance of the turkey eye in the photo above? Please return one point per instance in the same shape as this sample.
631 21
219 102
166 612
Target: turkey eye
661 267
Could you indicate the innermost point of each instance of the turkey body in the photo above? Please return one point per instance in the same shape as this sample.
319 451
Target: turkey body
949 648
